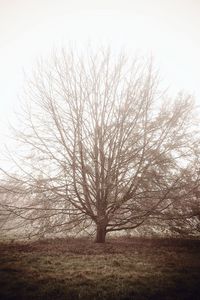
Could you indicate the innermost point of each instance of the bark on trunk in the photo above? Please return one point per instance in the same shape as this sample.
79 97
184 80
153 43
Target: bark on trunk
100 234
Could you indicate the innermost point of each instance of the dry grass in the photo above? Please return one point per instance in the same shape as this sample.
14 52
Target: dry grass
120 269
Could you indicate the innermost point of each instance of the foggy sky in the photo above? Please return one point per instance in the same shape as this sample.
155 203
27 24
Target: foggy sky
169 29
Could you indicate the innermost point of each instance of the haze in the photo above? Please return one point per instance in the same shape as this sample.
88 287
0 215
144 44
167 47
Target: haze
29 29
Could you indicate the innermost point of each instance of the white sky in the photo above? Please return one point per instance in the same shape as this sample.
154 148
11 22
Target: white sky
170 29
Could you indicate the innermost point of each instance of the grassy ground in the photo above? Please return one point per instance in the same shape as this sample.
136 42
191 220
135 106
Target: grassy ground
120 269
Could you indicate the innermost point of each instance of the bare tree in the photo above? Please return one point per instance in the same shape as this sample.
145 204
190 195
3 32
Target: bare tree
102 147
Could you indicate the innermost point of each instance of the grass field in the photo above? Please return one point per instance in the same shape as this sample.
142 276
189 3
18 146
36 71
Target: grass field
122 268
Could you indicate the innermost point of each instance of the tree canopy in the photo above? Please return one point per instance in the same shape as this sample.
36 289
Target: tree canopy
103 148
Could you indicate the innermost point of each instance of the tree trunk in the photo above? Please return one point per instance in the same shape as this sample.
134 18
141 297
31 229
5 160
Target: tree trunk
100 234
